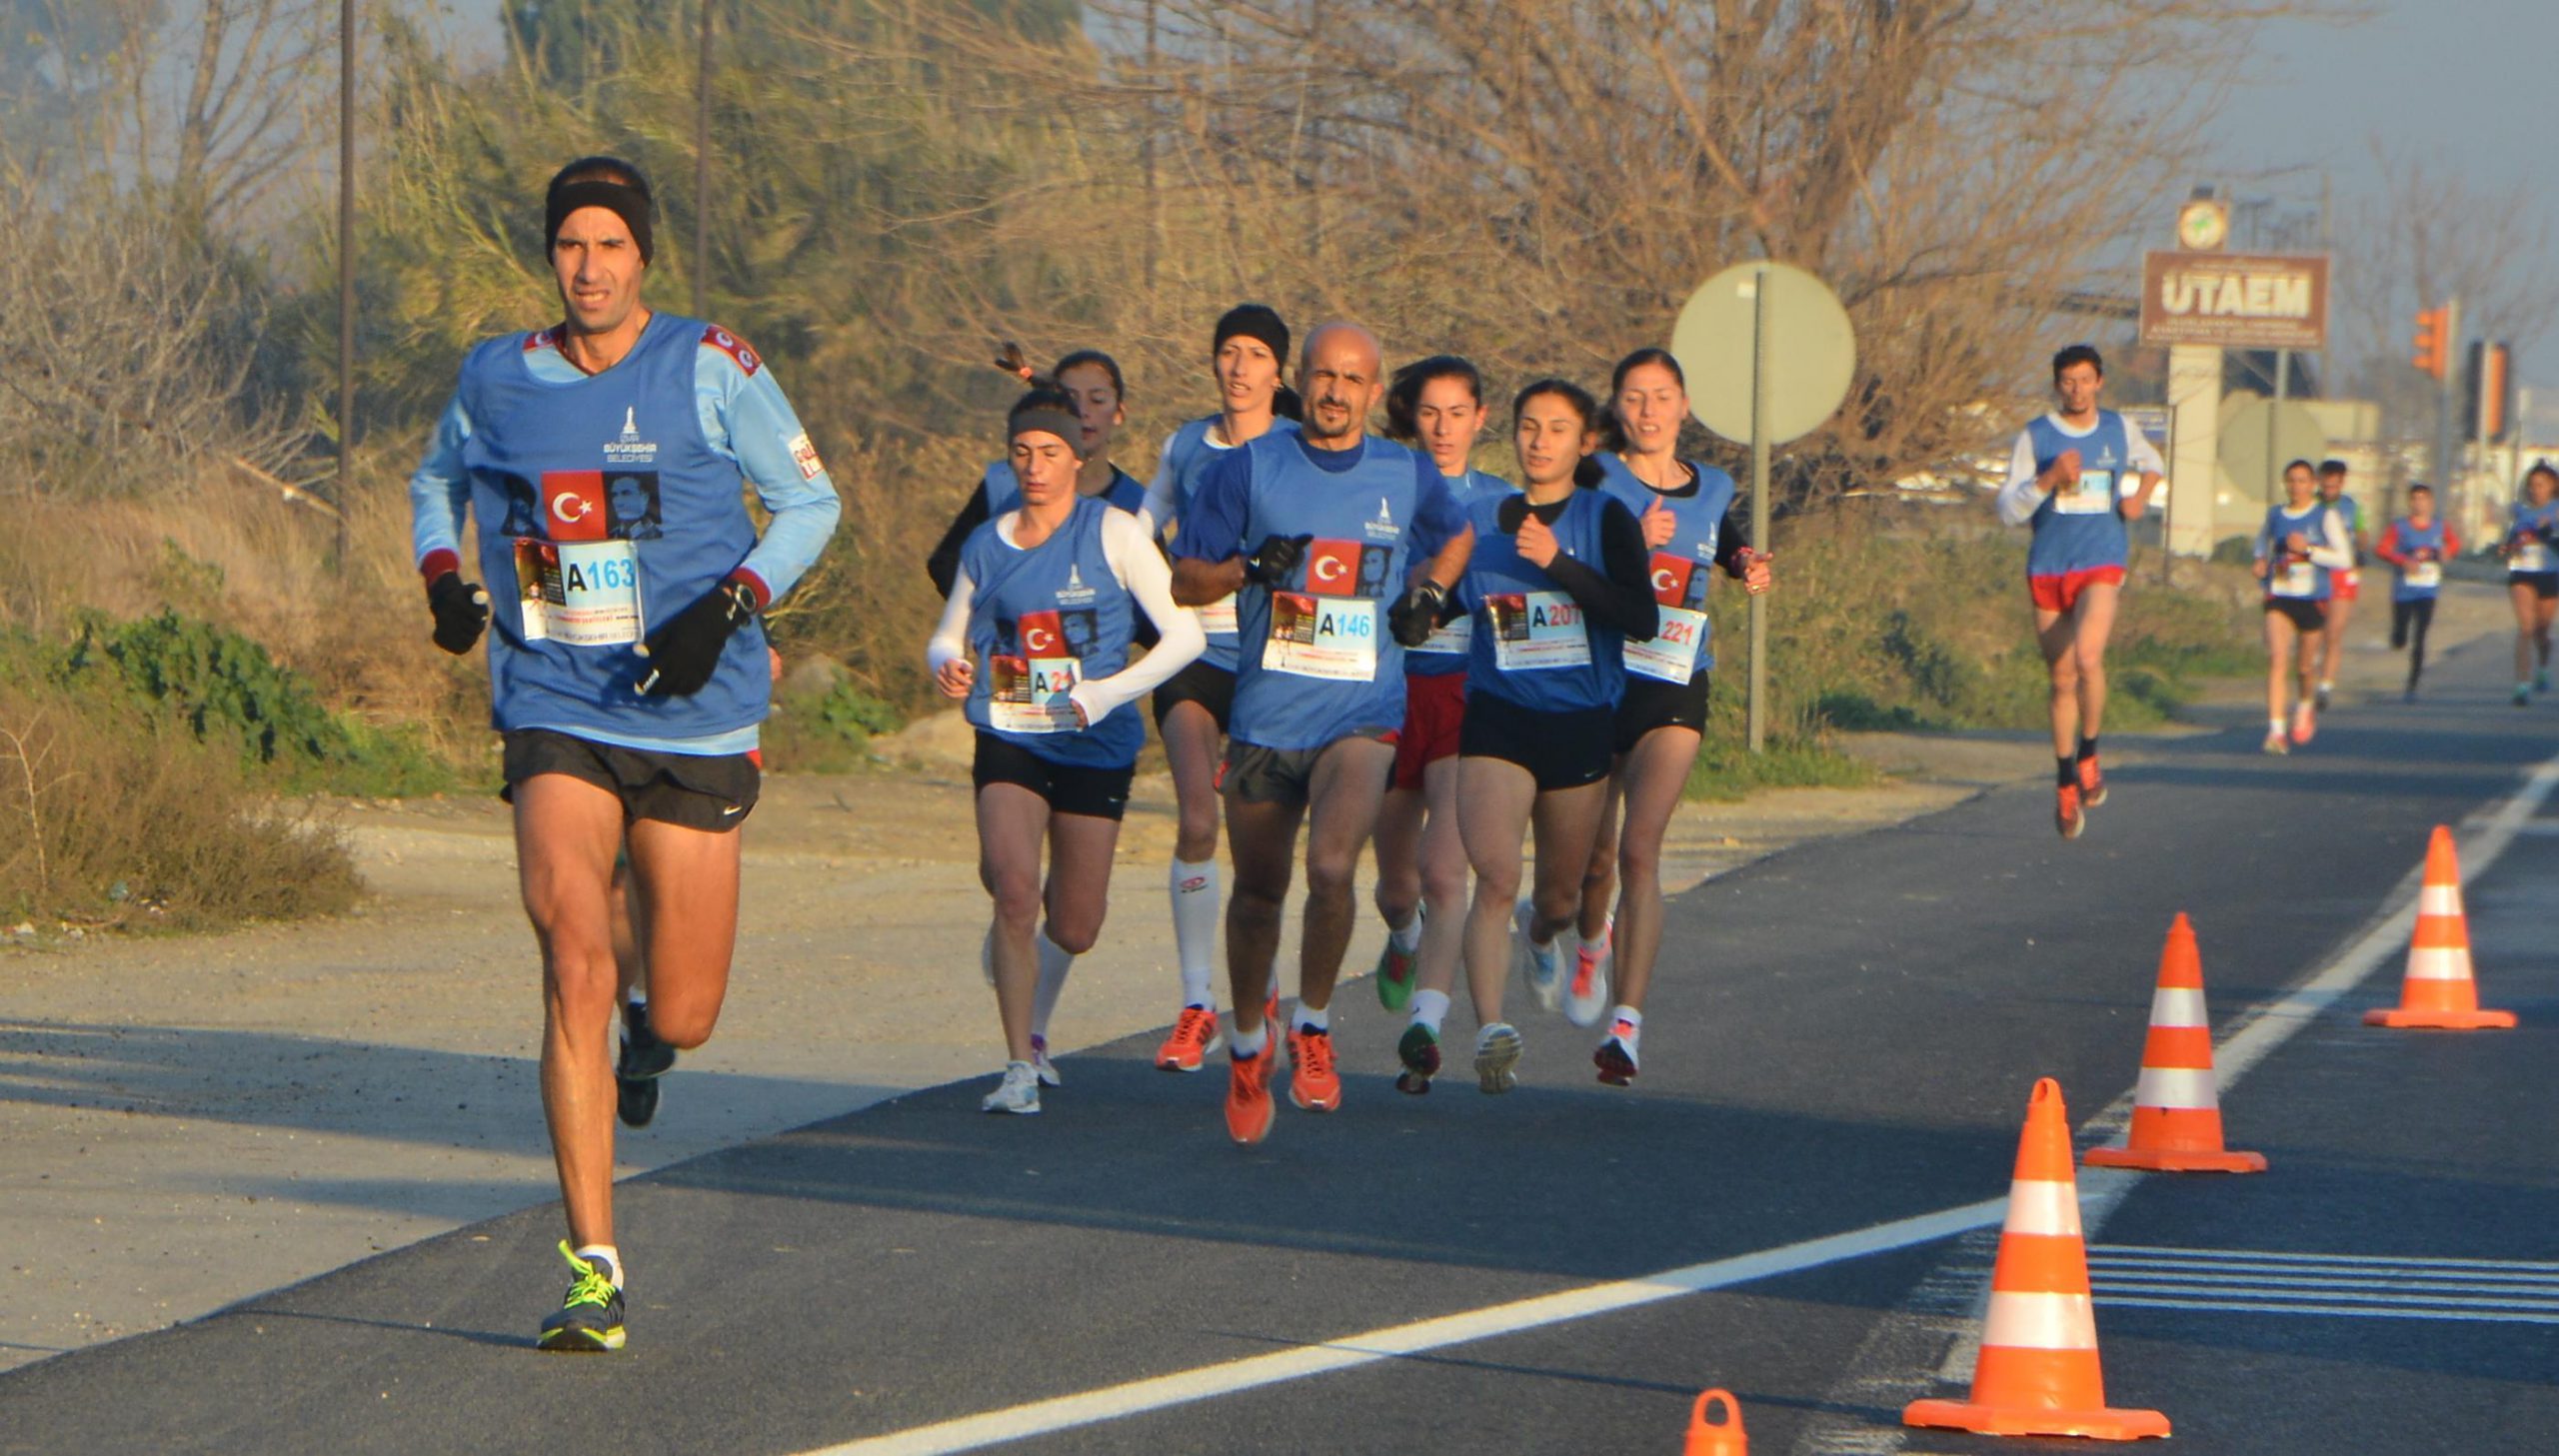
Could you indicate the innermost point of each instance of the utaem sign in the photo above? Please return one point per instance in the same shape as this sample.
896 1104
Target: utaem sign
2235 300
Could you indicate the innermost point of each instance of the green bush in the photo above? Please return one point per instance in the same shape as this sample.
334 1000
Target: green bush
225 690
830 731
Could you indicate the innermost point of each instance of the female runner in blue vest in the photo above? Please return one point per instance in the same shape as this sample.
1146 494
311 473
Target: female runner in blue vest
1692 529
2066 478
1247 352
1036 636
1555 588
1092 380
601 457
1435 405
2302 542
2416 546
2531 549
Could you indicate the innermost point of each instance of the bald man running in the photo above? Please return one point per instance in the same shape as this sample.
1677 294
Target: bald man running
1314 532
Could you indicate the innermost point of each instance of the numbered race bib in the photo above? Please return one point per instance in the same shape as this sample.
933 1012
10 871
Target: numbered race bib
1333 638
1537 631
2095 495
1028 694
582 593
2531 556
2296 578
1457 638
2423 574
1218 616
1671 654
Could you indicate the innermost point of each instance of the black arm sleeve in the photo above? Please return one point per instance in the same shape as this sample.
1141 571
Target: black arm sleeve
1732 539
944 564
1622 598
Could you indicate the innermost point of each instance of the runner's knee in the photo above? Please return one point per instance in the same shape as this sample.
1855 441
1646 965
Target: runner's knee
1443 887
1075 931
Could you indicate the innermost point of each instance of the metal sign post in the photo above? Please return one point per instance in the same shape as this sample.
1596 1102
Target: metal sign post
1744 387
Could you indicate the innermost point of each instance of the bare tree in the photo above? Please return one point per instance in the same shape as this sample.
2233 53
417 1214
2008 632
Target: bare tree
2426 233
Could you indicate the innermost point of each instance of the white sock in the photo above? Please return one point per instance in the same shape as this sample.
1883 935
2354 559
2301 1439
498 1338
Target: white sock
1242 1045
1313 1018
1600 946
1632 1021
1055 962
1194 887
612 1259
1408 936
1429 1009
2327 687
2274 724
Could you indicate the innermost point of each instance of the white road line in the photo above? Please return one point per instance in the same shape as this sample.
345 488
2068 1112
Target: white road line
2484 840
2258 1035
968 1433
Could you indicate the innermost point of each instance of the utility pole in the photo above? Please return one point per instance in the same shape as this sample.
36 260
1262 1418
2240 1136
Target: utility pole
2445 405
698 265
346 274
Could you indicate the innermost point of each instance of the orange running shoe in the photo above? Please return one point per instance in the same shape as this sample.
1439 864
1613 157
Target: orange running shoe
2067 816
1248 1106
2092 783
1195 1035
1313 1083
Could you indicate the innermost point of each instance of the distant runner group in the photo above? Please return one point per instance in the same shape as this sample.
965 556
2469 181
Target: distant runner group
1345 640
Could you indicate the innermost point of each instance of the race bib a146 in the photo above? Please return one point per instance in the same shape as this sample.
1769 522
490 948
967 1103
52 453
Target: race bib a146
582 593
1333 638
1537 631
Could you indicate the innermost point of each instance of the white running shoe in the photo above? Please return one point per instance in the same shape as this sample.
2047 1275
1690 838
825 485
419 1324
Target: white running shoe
1041 1063
1585 996
1544 968
1498 1057
1018 1092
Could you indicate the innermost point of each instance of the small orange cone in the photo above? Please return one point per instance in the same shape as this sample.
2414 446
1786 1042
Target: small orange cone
2039 1373
1716 1438
2438 991
2176 1106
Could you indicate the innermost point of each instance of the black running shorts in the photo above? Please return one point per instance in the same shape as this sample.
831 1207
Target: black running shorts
1070 788
1212 687
714 792
2304 613
1652 703
1559 749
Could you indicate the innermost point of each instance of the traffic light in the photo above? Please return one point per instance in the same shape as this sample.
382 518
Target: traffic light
2434 342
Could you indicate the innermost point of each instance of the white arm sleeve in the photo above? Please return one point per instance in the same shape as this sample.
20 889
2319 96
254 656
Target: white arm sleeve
951 634
2335 549
2019 498
1158 507
2141 454
1141 569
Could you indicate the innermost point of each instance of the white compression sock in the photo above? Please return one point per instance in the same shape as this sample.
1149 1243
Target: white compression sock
1429 1009
612 1259
1194 887
1055 962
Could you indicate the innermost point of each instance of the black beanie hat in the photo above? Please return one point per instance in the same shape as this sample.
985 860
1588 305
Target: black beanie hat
1253 320
606 182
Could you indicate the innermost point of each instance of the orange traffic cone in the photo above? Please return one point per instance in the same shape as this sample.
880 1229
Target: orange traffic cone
2039 1373
2176 1107
2438 991
1718 1438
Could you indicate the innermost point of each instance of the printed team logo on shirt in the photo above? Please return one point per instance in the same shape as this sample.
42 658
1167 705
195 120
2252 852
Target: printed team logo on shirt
628 448
1383 528
1075 590
733 346
805 455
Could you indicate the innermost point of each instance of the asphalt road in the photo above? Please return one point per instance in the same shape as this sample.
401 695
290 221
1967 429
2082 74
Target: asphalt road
1845 1038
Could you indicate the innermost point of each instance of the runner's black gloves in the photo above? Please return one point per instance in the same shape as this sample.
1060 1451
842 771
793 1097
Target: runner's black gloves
683 654
461 610
1417 614
1273 560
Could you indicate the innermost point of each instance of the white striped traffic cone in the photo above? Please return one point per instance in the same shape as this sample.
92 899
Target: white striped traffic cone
2176 1107
2438 991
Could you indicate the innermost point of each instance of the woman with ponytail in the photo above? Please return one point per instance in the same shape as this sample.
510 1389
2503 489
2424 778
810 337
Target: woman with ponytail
1090 381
